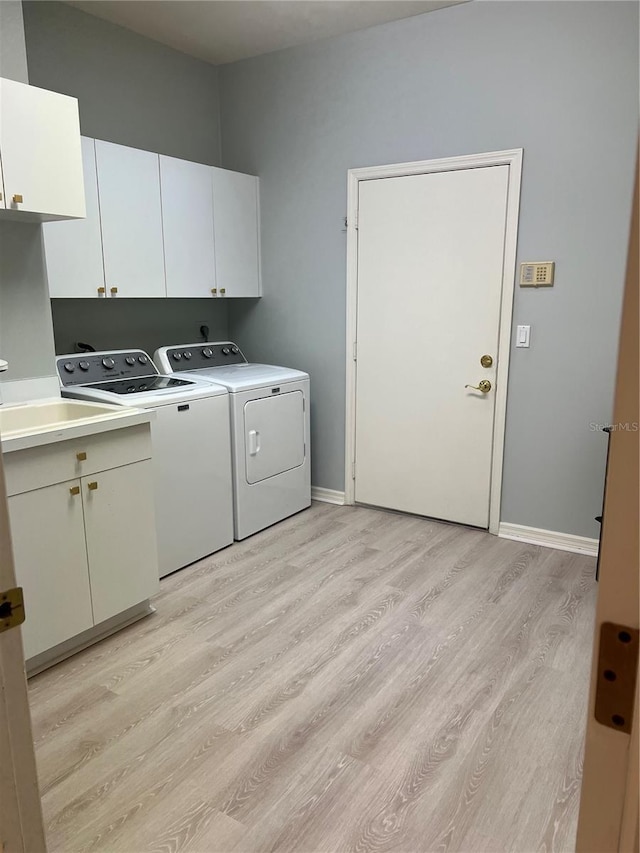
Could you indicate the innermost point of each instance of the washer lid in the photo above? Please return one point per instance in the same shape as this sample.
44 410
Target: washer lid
122 392
247 377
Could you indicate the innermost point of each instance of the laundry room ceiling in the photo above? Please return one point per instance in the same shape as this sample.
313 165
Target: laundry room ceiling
221 31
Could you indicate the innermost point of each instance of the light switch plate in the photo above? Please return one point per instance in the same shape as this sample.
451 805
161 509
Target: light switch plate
537 273
523 336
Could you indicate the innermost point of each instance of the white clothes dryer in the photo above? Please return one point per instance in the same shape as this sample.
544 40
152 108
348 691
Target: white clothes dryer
269 410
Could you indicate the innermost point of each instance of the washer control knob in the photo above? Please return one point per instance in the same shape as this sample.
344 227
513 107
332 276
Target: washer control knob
235 350
207 352
143 359
186 354
143 387
176 356
225 350
69 366
130 360
84 365
108 363
131 389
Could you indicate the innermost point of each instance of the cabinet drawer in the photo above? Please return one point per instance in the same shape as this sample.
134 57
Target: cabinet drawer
38 467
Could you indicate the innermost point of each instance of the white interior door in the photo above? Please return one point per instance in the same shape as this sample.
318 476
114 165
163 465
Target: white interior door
430 269
21 827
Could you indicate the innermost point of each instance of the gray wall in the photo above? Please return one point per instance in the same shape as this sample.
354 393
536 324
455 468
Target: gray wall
143 323
559 80
131 90
137 92
26 332
26 338
13 54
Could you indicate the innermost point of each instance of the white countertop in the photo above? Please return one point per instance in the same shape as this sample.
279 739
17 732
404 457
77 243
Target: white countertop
106 418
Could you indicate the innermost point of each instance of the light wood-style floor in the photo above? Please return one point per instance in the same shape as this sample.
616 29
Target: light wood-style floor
349 680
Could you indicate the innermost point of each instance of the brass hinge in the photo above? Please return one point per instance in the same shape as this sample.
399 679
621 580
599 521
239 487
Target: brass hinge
617 670
11 608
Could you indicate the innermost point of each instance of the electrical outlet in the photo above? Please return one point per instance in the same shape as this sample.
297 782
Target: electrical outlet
537 273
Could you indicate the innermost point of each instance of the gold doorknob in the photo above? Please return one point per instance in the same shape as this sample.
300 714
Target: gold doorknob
92 486
484 385
17 199
81 457
486 361
74 490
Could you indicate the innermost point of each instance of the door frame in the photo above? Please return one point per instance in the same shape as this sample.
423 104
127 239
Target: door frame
512 158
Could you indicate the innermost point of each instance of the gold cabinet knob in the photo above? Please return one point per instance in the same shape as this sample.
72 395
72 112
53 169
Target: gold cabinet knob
81 457
214 290
484 385
223 290
74 490
113 290
17 199
102 291
92 486
486 361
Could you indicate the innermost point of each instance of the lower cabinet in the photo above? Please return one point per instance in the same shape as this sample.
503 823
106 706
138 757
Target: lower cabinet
85 548
121 538
47 529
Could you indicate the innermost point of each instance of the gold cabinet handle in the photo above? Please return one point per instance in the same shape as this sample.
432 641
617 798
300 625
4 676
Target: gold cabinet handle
82 456
214 290
113 290
484 385
92 486
223 290
102 291
74 490
17 199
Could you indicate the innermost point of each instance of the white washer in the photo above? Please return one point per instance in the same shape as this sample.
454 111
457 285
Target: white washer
191 443
269 429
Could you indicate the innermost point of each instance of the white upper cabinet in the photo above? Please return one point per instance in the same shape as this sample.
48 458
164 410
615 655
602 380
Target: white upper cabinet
73 250
237 233
131 220
187 219
41 154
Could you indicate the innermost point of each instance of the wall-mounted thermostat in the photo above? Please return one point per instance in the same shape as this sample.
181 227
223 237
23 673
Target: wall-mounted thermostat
537 274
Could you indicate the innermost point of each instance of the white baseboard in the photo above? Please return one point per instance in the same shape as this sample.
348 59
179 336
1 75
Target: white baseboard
327 496
549 538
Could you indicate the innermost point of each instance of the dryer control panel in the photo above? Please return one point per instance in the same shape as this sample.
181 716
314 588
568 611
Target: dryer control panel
194 356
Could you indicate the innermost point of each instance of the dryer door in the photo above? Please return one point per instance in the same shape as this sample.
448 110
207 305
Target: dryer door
273 435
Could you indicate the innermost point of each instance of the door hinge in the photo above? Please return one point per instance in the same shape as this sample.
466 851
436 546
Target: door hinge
616 679
355 350
11 608
353 471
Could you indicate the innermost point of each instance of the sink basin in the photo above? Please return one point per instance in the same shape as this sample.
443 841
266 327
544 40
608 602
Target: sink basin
34 417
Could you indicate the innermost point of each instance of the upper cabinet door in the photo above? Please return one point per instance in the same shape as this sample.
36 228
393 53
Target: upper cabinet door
187 219
41 155
237 233
131 219
73 250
